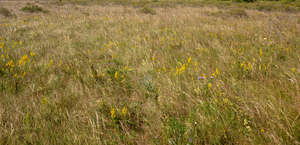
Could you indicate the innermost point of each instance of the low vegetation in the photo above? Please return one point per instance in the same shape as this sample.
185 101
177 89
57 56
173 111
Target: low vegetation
92 74
5 12
33 9
148 10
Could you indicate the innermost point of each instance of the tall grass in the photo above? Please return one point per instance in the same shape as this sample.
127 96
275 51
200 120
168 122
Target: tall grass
118 76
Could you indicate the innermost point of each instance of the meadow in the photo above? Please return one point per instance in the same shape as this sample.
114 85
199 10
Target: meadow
152 73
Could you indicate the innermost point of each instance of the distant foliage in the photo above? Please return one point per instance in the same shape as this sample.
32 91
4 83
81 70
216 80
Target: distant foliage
33 9
148 10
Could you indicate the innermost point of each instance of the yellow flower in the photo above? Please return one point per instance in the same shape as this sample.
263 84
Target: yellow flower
204 76
32 54
260 52
24 74
116 75
50 63
189 59
124 110
23 60
250 67
209 85
182 69
216 100
217 71
10 64
293 69
262 130
113 113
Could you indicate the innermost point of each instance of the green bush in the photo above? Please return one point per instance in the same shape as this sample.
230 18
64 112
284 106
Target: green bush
33 9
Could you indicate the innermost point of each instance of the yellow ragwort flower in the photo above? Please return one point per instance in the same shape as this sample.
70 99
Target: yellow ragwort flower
189 59
124 110
113 113
116 75
260 52
32 54
209 85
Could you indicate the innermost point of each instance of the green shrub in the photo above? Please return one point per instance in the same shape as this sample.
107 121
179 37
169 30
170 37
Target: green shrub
5 12
148 10
33 9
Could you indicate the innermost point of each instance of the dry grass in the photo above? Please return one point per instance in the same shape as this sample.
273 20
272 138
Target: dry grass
113 75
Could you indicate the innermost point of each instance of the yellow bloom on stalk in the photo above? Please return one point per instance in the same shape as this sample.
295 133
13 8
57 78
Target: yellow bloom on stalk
124 110
183 67
217 71
250 67
209 85
10 64
177 71
113 113
243 65
293 69
32 54
24 74
116 75
260 52
204 76
214 75
189 59
23 60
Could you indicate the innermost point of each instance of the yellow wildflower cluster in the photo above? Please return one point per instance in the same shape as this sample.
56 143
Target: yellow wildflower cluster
23 60
113 112
183 67
9 64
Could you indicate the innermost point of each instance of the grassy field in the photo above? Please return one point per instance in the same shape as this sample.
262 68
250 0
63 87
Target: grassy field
150 74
